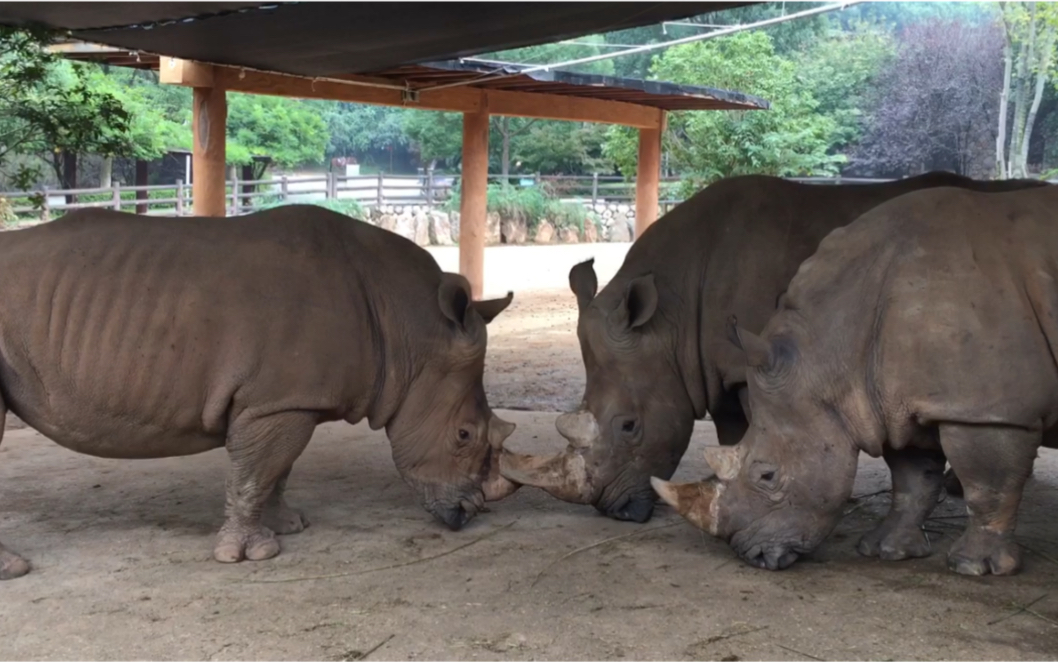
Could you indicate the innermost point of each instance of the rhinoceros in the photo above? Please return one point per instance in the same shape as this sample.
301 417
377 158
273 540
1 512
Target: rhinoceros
653 340
927 329
126 336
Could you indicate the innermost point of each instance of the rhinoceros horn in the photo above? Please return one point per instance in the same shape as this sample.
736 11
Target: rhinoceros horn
495 486
724 461
696 502
563 476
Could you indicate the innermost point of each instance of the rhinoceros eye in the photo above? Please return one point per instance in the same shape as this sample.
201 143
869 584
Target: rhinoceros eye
464 434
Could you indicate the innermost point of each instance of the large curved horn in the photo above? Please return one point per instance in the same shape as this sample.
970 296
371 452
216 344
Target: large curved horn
696 502
495 486
724 461
499 430
563 476
579 428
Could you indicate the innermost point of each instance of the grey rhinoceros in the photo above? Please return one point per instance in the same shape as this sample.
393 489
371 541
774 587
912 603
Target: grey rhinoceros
653 340
927 329
125 336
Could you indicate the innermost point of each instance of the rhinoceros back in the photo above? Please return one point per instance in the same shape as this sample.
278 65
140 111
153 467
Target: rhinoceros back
129 336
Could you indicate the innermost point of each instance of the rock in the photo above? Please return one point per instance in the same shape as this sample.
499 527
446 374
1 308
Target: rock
422 229
591 232
600 208
388 222
440 229
513 231
569 236
624 209
620 231
492 229
406 226
453 218
545 232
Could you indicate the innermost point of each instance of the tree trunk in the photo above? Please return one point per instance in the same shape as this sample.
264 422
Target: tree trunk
106 172
1026 54
1004 99
1042 63
141 180
69 174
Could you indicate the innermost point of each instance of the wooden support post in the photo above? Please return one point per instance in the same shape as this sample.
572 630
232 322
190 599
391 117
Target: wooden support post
473 203
208 128
648 175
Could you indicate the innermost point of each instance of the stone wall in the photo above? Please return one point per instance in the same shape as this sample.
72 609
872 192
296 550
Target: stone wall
610 222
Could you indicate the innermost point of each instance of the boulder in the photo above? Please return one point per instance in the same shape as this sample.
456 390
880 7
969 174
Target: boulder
422 229
492 229
591 231
406 226
453 219
514 231
388 222
545 232
620 231
569 236
440 229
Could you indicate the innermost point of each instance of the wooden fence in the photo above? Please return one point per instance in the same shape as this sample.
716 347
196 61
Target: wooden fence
429 190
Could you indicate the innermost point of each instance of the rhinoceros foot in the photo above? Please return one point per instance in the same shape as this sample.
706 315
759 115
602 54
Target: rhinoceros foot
981 552
284 520
952 484
892 541
12 565
253 544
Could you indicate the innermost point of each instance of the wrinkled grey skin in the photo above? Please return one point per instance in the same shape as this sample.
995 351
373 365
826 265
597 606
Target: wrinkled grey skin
653 340
926 329
135 337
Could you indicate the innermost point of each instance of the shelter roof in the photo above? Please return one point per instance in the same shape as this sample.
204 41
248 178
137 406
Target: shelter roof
335 38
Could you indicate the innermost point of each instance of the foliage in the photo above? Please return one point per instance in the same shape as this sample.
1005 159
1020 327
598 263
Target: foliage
792 138
530 204
842 69
351 208
356 128
290 132
934 107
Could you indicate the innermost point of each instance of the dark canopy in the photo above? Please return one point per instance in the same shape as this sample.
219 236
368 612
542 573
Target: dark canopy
327 39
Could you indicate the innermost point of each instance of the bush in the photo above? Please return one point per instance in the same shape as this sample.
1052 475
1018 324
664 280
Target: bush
7 212
530 205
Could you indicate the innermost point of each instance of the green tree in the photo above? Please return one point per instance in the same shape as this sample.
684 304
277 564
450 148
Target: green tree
290 131
840 71
791 138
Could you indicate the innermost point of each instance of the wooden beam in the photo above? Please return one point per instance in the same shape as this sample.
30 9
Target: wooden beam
361 89
648 177
208 129
473 203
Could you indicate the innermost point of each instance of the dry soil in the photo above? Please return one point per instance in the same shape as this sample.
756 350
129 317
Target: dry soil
123 569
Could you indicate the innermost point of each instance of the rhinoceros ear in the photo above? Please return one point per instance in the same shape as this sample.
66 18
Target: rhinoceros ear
757 350
583 282
454 297
490 308
641 301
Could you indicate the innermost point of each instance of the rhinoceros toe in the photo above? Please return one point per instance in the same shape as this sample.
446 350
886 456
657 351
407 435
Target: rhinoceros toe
284 520
981 552
890 543
252 545
12 565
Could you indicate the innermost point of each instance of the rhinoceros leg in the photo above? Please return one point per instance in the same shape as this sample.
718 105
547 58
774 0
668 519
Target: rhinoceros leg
993 464
262 450
11 565
918 476
278 515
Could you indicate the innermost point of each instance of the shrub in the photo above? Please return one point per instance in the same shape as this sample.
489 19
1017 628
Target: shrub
529 205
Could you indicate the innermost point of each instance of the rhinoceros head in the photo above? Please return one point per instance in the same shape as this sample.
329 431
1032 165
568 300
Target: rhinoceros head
780 491
446 440
636 418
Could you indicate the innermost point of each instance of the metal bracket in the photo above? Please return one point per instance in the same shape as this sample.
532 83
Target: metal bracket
409 96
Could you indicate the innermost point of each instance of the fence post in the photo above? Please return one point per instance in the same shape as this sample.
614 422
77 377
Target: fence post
45 209
235 192
329 192
429 188
284 187
594 189
116 196
179 197
378 192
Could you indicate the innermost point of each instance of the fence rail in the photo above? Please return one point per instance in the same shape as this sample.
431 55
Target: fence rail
381 190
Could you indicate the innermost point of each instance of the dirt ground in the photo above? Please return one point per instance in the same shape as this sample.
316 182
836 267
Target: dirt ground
123 568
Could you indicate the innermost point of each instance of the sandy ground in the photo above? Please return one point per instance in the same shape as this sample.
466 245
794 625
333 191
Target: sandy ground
123 569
